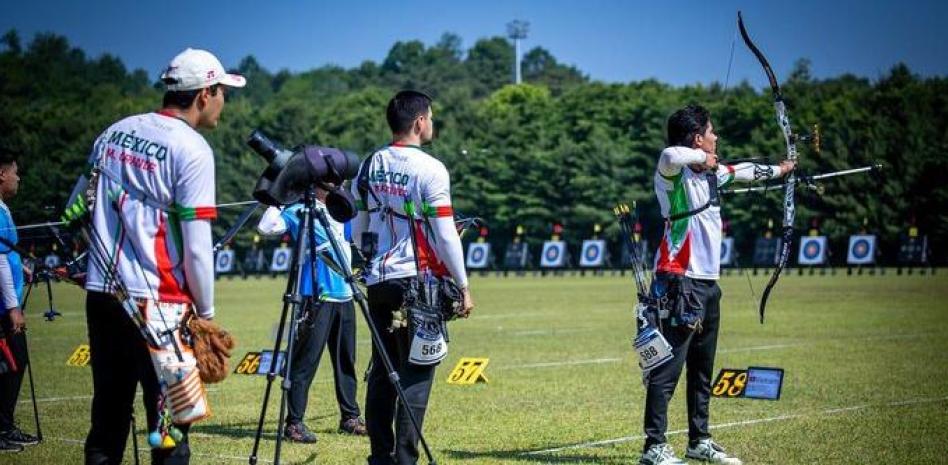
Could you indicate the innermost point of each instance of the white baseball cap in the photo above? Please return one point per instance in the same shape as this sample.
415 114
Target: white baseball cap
196 69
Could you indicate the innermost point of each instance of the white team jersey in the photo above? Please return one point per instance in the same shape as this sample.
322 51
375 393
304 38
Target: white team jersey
161 159
403 178
692 245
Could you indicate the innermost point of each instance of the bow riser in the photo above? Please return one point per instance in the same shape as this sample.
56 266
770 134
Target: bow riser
789 207
788 136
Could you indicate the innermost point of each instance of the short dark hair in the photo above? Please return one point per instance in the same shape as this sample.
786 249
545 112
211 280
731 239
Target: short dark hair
184 98
404 107
686 123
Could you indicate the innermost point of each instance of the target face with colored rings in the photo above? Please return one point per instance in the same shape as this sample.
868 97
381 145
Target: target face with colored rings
281 260
861 248
812 250
477 255
592 252
224 262
552 253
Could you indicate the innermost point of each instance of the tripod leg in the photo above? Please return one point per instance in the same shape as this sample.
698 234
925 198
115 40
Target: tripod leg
51 314
29 290
29 374
291 298
135 441
29 364
271 375
392 374
376 337
287 380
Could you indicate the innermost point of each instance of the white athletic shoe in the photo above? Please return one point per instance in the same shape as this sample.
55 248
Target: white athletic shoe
707 450
660 454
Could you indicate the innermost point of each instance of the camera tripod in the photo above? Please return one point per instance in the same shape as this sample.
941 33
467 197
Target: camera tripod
292 306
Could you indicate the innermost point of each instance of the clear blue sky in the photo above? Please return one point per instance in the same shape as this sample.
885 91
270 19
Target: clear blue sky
675 42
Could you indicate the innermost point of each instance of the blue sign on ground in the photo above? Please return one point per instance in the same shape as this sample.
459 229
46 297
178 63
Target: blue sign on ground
266 357
764 383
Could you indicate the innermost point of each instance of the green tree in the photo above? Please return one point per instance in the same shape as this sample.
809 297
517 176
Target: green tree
559 148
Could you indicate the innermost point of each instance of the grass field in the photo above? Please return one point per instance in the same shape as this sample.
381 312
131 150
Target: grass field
866 362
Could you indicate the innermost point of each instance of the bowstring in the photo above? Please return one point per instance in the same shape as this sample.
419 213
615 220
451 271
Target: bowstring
730 61
727 96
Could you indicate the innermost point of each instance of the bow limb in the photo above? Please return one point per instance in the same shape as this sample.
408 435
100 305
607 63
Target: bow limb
789 205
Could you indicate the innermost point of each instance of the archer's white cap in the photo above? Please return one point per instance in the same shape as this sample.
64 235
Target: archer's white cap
196 69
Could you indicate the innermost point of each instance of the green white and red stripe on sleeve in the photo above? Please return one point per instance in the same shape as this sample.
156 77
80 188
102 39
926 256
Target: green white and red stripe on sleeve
195 213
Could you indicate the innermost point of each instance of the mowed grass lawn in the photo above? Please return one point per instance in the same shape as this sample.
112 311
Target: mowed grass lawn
866 360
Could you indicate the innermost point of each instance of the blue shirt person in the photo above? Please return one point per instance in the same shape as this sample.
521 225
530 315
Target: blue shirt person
12 323
330 285
11 264
328 321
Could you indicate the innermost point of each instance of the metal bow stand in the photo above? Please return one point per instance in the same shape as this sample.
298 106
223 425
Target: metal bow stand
46 274
293 299
50 315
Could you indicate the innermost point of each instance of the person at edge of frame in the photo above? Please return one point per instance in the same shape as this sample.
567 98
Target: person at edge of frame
395 172
328 317
687 269
12 323
163 253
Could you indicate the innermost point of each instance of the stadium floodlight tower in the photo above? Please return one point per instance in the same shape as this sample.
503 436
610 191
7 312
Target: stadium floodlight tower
517 31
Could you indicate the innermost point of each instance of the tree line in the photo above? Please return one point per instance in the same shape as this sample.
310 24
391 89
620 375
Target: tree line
560 148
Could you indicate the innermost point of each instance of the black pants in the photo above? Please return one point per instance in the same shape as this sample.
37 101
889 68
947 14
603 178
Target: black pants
697 349
382 409
10 382
120 361
332 322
